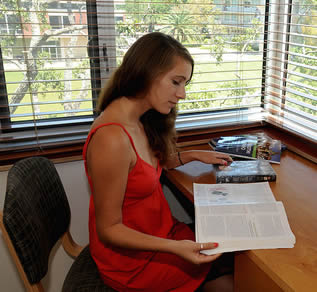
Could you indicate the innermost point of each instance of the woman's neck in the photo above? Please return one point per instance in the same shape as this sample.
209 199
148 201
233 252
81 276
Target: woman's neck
129 109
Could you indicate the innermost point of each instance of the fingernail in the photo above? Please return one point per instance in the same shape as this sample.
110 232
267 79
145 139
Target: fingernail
216 244
225 162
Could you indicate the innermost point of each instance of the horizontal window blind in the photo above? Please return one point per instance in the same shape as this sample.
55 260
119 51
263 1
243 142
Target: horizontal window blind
56 55
291 84
49 72
226 40
252 58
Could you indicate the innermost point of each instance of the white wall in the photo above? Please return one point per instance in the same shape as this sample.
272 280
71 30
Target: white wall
75 183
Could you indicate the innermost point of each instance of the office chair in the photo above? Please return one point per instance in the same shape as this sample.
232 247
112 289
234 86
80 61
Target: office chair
35 216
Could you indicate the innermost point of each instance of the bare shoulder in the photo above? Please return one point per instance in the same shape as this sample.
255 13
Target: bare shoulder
111 137
109 152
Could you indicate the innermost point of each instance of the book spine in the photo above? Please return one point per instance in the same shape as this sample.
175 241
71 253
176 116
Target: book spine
245 179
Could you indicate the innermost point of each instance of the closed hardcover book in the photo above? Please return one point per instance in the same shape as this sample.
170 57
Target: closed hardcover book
245 172
253 146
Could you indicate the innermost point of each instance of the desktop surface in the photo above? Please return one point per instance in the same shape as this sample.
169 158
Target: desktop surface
293 269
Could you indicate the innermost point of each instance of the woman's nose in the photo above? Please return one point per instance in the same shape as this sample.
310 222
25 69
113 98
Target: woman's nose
181 93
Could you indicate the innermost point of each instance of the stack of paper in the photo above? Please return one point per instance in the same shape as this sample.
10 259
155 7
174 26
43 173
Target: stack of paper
240 217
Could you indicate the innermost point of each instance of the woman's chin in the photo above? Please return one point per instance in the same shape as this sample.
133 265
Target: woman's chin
165 111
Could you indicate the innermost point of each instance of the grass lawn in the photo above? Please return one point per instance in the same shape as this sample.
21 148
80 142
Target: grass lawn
227 71
24 108
203 81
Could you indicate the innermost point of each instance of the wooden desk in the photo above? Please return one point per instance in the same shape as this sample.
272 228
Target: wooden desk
278 269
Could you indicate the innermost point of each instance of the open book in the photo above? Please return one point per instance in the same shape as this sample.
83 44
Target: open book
240 217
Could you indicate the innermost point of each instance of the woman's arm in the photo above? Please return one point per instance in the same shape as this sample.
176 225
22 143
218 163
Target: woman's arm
109 161
206 156
125 237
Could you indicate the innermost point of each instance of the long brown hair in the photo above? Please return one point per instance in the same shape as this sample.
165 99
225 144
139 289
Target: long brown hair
151 55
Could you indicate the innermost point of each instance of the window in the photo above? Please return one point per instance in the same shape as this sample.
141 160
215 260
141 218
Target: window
52 49
9 24
59 21
291 87
255 60
46 73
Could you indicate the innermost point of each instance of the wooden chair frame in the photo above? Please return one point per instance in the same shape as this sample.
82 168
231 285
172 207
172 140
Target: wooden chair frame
69 245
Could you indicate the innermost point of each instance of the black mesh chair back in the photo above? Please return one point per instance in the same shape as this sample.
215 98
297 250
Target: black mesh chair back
36 213
35 216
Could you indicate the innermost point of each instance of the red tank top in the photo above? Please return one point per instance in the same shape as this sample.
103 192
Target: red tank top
144 209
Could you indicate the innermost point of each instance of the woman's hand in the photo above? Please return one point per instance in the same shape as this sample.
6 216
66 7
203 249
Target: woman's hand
206 156
212 157
190 251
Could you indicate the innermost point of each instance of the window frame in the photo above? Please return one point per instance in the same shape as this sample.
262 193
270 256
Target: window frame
4 101
184 122
96 77
57 123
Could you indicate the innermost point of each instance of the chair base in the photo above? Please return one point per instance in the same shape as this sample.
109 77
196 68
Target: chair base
83 276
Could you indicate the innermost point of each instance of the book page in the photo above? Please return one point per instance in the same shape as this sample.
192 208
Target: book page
244 226
215 194
240 217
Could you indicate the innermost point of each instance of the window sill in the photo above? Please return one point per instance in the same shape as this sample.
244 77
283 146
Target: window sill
65 144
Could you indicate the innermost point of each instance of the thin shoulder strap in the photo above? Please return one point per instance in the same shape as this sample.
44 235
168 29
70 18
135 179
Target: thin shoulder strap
100 126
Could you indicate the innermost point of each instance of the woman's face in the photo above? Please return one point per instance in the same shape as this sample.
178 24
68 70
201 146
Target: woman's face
169 88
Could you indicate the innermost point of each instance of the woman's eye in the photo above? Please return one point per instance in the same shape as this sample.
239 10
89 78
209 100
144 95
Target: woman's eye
175 82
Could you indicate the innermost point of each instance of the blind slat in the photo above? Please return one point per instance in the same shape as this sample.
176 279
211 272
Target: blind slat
56 59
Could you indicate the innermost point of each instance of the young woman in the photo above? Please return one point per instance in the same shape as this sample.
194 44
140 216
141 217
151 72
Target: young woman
134 240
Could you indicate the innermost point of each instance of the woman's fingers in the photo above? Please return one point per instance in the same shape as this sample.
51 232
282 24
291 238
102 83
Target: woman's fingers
191 251
203 258
208 245
223 156
223 159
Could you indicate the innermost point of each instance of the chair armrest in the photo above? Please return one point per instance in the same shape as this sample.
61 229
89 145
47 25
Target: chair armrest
70 246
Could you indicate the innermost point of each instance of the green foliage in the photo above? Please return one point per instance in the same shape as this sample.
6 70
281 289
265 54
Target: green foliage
236 88
310 70
52 76
8 40
180 25
146 15
129 27
195 100
306 58
186 23
42 17
201 100
242 42
217 47
42 79
77 73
